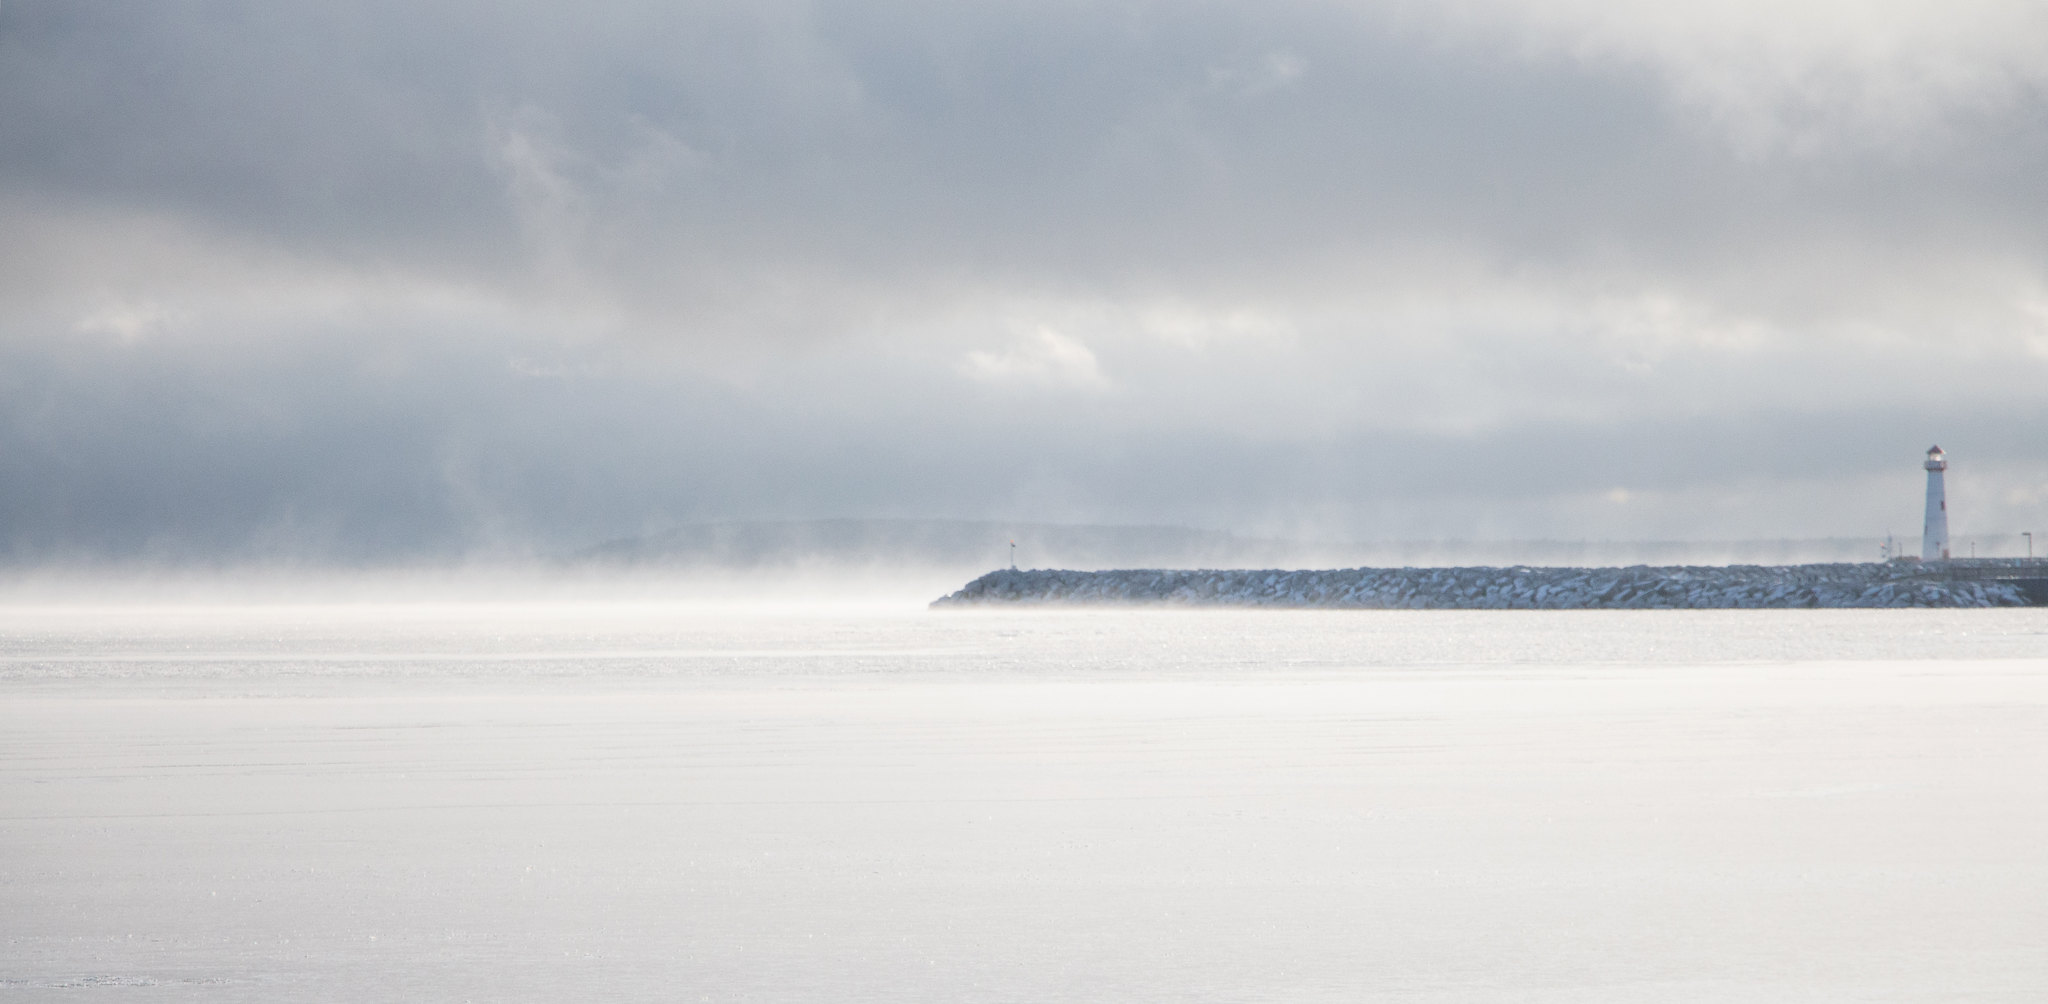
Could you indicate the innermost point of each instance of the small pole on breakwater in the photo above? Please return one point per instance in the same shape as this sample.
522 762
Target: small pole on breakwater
1013 556
2029 534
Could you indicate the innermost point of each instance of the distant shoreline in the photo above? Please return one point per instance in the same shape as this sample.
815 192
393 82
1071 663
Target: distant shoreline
2004 583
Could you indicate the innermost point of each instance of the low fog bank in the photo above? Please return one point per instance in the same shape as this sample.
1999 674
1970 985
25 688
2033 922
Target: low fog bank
977 546
475 583
855 562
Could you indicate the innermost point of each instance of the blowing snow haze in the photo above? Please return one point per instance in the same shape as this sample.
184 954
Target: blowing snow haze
390 282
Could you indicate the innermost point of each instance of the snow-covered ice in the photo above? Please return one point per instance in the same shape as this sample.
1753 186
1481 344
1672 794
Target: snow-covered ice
513 803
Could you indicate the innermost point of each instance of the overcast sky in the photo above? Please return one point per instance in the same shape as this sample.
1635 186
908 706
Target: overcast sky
382 281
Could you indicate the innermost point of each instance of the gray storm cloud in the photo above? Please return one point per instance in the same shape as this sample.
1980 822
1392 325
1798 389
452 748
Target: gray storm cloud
378 281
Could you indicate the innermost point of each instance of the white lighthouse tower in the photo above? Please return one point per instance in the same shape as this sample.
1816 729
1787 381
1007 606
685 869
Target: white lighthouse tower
1934 537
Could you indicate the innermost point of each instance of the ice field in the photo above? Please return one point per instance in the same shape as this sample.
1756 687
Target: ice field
687 802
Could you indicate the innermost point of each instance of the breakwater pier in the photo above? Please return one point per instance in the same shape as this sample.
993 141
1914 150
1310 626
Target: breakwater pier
1988 583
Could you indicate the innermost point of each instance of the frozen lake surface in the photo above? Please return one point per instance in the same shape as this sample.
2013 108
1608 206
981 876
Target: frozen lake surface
828 804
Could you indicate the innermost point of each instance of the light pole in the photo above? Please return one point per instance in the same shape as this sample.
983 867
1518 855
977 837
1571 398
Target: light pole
2029 534
1013 556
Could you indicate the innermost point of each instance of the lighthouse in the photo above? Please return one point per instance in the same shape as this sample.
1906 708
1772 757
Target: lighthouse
1934 537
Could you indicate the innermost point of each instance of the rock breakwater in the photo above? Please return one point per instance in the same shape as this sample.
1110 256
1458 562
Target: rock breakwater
1518 588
